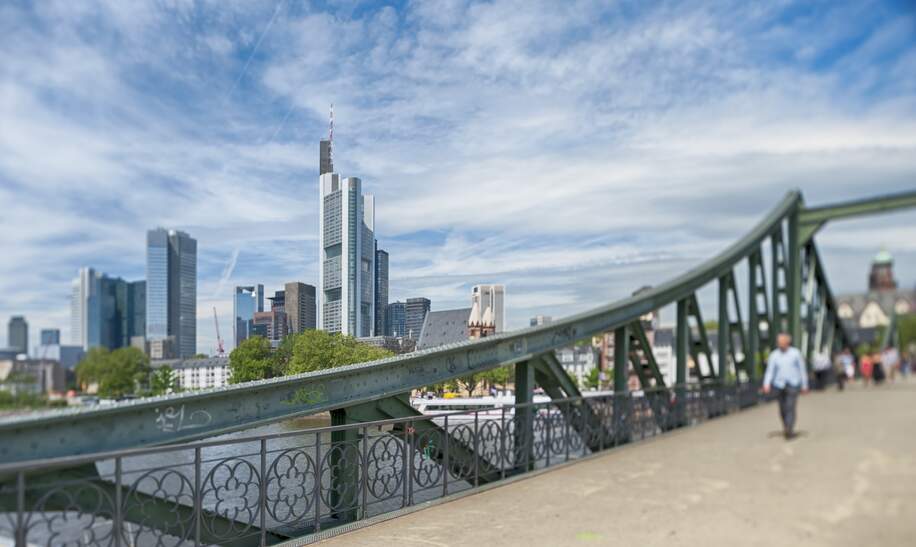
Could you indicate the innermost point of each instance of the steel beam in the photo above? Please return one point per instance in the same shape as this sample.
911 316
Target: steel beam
723 322
793 278
524 417
621 360
859 207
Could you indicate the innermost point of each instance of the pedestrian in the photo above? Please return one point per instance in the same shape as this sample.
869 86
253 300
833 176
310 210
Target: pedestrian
787 376
878 371
890 358
867 367
847 367
822 366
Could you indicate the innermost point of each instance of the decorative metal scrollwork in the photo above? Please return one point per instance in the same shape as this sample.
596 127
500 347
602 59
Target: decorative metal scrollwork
70 515
291 486
341 460
231 494
462 461
385 466
427 470
159 504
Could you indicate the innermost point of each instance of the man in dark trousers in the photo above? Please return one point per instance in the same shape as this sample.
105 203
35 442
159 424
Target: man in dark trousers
787 375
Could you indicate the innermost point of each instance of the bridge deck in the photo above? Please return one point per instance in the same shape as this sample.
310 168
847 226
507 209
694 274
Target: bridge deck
849 480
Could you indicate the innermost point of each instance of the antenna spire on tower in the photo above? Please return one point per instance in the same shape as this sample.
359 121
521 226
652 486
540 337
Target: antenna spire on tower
331 135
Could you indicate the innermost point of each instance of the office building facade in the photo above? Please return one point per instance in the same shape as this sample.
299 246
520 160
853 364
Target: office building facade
300 306
395 314
346 244
415 311
18 334
106 311
246 301
171 289
381 290
49 337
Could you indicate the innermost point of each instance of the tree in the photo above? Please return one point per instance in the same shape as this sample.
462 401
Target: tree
201 356
164 380
251 360
498 376
127 369
593 380
906 330
90 369
318 350
117 373
469 383
309 351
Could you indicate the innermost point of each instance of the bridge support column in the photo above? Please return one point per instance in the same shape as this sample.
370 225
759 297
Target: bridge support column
681 338
724 332
344 463
794 278
524 417
753 320
621 376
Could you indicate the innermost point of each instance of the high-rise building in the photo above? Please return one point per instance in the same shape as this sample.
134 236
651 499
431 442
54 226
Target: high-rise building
106 311
394 319
325 162
300 306
270 324
346 244
49 337
135 315
171 289
84 309
18 334
381 289
245 303
539 320
278 301
488 307
415 311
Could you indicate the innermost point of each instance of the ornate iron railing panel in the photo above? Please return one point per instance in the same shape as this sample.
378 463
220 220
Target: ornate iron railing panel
258 490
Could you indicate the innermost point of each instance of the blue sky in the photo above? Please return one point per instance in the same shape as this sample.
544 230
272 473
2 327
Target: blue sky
571 150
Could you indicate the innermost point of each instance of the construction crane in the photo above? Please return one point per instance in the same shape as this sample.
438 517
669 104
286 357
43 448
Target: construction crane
220 351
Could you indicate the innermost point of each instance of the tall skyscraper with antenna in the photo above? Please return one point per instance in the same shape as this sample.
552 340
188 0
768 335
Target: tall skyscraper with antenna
346 249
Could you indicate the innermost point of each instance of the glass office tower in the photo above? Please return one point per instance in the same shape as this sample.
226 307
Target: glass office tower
245 303
171 289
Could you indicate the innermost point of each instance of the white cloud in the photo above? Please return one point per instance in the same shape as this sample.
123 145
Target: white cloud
573 150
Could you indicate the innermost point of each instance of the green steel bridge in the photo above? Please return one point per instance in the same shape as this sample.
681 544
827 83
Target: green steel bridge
176 470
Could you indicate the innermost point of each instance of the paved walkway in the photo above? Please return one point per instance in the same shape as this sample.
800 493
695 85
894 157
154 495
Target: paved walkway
849 480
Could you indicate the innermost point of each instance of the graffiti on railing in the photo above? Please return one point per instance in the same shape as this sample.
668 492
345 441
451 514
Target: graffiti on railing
171 420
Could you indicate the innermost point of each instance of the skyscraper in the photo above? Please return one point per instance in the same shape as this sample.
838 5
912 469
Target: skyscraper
84 309
245 303
381 289
394 319
325 162
346 247
171 289
18 334
106 311
49 337
300 306
414 314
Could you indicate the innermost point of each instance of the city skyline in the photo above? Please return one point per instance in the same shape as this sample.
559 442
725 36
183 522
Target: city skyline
635 153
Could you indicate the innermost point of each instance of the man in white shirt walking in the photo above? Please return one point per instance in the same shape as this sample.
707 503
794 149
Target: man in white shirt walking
786 374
